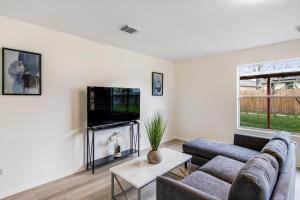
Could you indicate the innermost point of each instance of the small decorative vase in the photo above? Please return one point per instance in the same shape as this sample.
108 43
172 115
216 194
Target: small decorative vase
154 157
117 153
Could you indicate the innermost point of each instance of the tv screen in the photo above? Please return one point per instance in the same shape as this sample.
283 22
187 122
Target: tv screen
106 105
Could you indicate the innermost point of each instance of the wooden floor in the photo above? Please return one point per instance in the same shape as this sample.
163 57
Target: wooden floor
86 186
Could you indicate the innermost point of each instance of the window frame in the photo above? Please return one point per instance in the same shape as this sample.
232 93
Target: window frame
268 77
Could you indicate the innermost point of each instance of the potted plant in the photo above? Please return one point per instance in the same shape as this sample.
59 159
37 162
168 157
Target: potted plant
155 128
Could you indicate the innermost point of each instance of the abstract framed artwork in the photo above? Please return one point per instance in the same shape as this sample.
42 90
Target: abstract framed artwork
157 84
21 72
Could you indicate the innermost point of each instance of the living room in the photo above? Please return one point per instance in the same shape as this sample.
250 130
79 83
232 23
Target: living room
187 61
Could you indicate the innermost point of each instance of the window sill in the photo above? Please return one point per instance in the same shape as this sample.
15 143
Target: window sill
262 132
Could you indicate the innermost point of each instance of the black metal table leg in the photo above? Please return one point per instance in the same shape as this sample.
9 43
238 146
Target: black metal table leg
93 146
87 149
138 132
131 137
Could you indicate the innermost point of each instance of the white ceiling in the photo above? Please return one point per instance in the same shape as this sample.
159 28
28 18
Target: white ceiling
170 29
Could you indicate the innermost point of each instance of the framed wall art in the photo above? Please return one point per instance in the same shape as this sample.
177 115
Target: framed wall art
21 72
157 84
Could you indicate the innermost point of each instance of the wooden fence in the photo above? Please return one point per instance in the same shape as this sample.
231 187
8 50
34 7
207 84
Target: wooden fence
283 102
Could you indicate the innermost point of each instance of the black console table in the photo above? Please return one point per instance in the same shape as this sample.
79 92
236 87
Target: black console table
90 147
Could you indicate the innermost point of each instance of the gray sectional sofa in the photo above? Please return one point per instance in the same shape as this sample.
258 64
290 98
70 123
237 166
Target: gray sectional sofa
253 168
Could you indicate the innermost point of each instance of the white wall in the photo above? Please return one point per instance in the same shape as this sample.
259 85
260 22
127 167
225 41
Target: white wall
206 92
42 137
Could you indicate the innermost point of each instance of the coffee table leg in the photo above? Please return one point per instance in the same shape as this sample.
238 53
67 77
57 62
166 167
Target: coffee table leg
190 166
138 193
185 165
112 186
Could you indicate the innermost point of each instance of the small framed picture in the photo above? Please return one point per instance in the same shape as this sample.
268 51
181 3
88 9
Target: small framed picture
21 72
157 84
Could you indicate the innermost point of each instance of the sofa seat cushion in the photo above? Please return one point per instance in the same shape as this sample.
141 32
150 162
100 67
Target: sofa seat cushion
223 168
256 180
208 184
210 149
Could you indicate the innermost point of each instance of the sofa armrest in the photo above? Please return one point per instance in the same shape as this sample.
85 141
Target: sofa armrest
250 142
169 189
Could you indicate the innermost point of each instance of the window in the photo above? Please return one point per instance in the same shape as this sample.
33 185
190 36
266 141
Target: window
269 95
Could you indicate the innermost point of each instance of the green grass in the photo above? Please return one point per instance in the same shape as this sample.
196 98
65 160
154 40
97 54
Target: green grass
289 123
122 108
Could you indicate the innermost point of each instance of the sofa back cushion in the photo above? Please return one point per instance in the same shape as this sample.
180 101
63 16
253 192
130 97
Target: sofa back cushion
256 180
278 149
282 135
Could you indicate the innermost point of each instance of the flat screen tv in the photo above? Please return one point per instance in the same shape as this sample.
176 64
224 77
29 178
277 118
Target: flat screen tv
107 105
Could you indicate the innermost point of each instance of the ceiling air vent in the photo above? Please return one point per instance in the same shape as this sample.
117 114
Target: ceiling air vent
129 29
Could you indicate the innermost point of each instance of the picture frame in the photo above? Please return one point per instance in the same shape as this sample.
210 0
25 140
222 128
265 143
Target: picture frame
21 72
157 84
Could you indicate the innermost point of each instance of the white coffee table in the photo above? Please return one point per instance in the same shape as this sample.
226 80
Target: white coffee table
138 172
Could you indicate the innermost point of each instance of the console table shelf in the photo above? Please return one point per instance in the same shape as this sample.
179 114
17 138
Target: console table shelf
90 147
111 158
